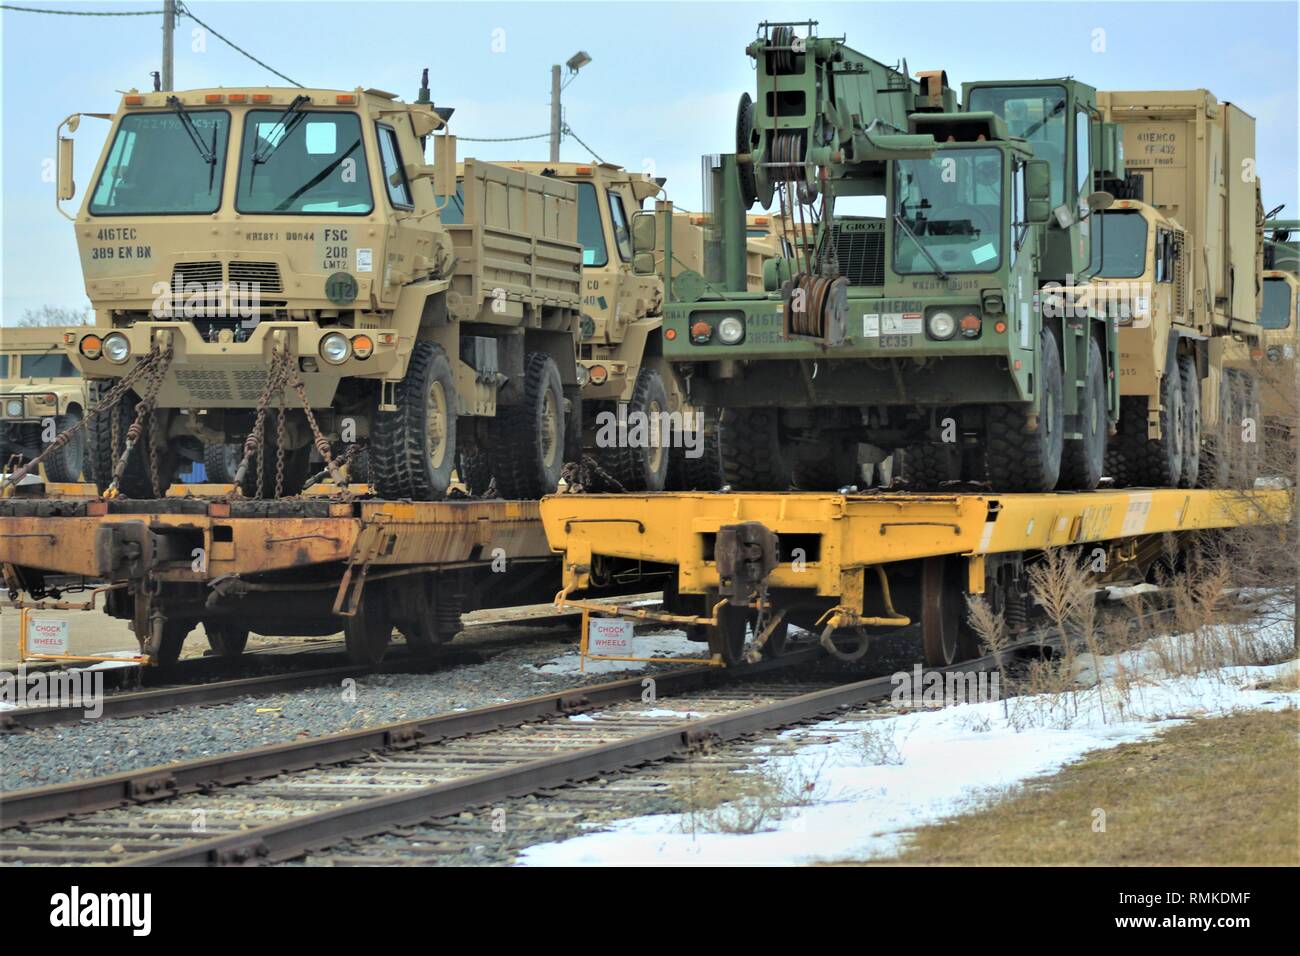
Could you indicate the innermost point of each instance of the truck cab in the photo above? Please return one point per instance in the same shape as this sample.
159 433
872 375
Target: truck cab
41 394
230 229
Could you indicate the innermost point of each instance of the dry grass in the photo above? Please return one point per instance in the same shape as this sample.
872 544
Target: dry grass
720 799
1221 791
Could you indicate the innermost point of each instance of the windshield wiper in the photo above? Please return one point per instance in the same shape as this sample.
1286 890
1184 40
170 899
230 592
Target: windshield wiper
938 269
209 153
264 154
1031 130
317 179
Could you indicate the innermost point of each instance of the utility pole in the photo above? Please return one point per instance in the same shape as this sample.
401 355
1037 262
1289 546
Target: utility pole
169 35
555 113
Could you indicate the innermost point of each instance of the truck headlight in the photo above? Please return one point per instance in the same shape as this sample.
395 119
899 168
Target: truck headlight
116 348
14 408
335 348
1274 353
91 346
941 325
731 330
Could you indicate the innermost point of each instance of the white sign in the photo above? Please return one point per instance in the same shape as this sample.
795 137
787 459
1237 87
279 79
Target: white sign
609 637
45 636
365 260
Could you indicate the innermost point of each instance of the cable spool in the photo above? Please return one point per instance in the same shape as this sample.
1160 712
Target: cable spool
824 311
781 60
746 144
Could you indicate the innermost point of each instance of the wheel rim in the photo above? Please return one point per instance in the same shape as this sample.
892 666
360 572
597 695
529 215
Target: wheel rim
655 456
436 424
550 428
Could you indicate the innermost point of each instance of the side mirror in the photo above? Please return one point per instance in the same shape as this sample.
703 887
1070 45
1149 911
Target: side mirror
444 166
1038 211
643 264
1038 181
67 187
1099 201
643 234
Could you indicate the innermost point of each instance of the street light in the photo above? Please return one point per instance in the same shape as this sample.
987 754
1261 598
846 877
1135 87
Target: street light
574 63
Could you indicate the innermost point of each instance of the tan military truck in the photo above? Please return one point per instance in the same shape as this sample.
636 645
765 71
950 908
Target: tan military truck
620 354
1177 260
254 229
41 394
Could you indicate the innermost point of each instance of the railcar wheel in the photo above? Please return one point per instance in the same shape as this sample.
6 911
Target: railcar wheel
943 613
175 630
367 633
226 638
727 637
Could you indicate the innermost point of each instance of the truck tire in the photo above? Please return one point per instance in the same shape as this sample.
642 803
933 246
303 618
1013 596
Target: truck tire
1245 458
1083 461
1216 456
297 468
1137 461
473 469
221 462
644 468
526 450
414 448
836 469
753 458
99 459
1020 460
926 466
702 472
1191 422
67 463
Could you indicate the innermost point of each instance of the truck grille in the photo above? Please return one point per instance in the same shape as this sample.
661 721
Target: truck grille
265 274
860 251
212 385
187 273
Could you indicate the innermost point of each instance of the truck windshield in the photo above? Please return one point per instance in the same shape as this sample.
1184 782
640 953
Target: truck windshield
452 208
1034 113
1276 313
47 366
590 231
315 165
950 206
154 167
1119 240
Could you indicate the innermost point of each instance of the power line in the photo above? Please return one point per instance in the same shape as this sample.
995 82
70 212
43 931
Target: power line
184 10
501 139
83 13
568 131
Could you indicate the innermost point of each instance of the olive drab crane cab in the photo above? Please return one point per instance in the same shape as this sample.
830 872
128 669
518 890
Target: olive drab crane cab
905 317
1278 332
244 245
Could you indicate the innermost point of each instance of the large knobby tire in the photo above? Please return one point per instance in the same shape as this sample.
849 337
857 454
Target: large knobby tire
1245 403
414 448
927 466
698 467
640 465
1083 461
1138 461
473 467
1191 471
1022 460
297 467
1216 456
836 469
753 457
99 460
67 463
526 450
221 461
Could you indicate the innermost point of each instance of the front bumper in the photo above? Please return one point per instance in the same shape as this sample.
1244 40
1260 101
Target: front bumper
220 374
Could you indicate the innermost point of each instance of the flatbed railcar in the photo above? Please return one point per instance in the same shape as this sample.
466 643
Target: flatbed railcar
735 565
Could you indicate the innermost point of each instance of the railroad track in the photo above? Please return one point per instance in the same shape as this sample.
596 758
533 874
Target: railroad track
171 697
277 803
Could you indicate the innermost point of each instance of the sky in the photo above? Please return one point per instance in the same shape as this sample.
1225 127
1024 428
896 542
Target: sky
660 92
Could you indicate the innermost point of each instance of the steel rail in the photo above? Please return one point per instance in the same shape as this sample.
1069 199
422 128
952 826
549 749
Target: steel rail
146 785
292 838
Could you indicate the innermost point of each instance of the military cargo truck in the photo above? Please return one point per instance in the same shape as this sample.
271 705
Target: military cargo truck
917 329
41 394
1278 331
1177 264
291 237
